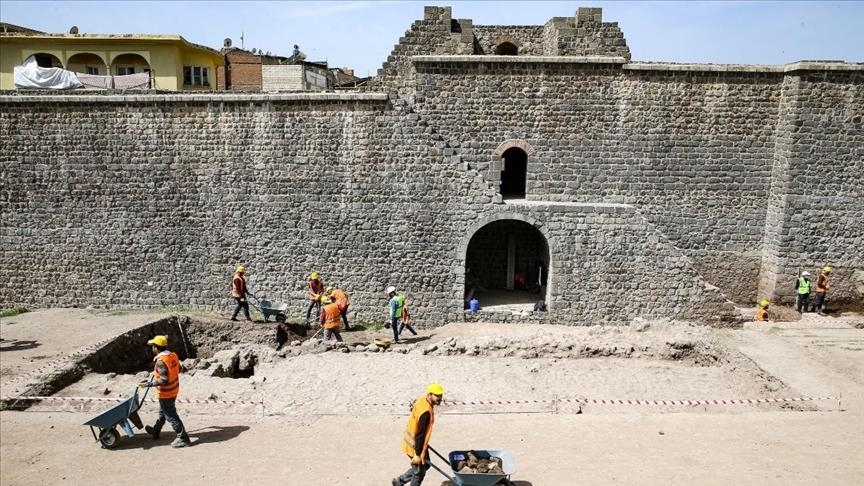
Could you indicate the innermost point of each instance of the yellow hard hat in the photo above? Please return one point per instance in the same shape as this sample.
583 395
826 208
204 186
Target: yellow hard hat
329 289
160 341
241 269
435 389
827 269
764 303
325 299
313 275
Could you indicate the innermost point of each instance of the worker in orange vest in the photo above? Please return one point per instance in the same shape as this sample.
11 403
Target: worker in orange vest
762 311
341 298
316 291
239 291
822 284
415 440
331 319
166 379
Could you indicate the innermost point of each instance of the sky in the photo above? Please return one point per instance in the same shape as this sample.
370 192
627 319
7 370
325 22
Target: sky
361 34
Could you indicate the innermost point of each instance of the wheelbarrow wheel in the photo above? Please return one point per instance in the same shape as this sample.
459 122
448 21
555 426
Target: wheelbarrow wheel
280 317
109 438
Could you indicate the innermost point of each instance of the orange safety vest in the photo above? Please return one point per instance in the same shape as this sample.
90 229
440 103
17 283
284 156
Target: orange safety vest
762 314
172 362
421 406
822 284
332 316
341 298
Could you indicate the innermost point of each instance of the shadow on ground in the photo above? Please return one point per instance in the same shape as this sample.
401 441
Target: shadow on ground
17 345
510 483
203 435
413 339
215 433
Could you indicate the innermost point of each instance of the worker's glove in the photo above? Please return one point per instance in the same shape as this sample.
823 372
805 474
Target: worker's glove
416 460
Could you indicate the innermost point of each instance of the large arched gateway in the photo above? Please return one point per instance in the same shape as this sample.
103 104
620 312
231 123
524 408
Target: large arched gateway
507 266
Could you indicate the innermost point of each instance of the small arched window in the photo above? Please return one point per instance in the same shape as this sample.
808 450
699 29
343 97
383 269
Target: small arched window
513 177
506 49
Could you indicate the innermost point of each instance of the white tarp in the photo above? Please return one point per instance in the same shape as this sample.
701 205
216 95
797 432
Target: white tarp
30 75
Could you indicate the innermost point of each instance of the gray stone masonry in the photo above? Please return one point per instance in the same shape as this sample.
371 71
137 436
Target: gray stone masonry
660 190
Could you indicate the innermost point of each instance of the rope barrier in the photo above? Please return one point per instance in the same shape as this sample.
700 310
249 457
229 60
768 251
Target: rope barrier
150 400
580 401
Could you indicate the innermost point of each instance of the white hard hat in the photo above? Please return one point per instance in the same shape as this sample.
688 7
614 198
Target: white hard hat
805 273
391 289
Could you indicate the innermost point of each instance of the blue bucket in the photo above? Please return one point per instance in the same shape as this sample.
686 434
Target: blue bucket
474 305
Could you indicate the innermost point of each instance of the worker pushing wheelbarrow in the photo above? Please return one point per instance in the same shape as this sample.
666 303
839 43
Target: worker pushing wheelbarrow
466 468
124 415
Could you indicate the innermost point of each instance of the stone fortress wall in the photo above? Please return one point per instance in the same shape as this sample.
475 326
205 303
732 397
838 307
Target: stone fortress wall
662 190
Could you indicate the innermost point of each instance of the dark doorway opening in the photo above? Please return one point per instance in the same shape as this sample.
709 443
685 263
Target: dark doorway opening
506 266
506 49
513 177
47 60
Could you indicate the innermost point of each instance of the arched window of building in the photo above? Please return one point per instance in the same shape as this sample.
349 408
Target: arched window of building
506 49
47 60
514 161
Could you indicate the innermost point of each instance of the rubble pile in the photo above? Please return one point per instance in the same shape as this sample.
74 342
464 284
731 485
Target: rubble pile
473 465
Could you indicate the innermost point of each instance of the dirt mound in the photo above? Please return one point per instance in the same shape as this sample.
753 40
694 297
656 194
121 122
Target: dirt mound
644 339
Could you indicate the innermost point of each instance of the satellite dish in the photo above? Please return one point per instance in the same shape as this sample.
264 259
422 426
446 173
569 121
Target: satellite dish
227 42
74 30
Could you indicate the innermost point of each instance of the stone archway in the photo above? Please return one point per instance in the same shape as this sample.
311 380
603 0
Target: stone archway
507 45
505 261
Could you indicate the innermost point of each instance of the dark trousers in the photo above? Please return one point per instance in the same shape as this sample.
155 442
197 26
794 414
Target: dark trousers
394 324
317 305
241 304
819 305
404 326
415 475
168 411
801 305
344 315
332 332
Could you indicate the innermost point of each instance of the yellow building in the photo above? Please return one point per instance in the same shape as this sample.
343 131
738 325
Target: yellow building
173 62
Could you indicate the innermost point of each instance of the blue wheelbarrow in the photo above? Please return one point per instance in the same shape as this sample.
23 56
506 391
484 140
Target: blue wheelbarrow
124 414
269 308
508 467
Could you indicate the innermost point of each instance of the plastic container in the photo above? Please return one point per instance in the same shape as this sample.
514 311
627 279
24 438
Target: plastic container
474 305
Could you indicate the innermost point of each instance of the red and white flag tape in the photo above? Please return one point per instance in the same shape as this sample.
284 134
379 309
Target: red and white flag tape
581 401
120 399
612 401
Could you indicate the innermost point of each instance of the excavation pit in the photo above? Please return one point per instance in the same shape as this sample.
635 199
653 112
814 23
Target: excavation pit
216 347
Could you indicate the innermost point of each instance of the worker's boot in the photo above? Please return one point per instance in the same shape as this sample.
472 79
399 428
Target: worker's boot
153 432
178 442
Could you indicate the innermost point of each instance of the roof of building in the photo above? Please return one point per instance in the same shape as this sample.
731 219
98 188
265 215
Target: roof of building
6 27
17 32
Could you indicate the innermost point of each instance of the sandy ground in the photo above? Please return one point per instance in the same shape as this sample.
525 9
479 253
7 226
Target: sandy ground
336 418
